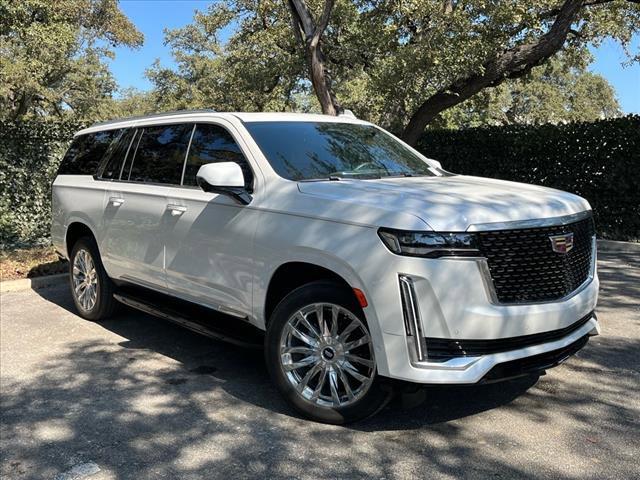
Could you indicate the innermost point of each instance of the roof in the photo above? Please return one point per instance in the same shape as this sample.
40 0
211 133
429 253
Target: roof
192 115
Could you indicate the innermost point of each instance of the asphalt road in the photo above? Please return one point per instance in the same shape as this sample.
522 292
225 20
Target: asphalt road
138 398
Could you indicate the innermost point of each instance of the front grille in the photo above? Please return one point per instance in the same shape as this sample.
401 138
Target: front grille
441 349
525 269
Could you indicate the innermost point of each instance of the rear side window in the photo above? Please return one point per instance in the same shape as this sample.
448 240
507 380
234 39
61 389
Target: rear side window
116 155
212 144
160 153
86 152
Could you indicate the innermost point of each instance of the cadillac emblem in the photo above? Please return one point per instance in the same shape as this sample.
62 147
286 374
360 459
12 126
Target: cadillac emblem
562 243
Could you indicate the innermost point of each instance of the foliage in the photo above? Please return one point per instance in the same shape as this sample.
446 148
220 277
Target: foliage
599 161
129 103
387 59
52 56
258 68
30 152
559 91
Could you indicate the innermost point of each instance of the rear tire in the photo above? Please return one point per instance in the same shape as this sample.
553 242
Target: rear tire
91 287
319 353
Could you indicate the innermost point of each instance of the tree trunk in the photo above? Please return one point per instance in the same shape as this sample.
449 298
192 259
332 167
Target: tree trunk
23 106
309 34
510 64
321 81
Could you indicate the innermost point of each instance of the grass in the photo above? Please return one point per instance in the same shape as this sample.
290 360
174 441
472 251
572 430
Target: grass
30 262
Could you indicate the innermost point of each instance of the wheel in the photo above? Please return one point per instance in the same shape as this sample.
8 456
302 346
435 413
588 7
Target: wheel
91 288
320 355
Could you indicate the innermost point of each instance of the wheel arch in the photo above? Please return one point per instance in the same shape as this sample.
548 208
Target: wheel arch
76 230
293 274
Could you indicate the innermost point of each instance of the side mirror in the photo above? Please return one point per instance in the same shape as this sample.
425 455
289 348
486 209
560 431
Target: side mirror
225 178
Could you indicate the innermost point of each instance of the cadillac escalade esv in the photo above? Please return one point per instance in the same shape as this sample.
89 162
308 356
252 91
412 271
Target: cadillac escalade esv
349 255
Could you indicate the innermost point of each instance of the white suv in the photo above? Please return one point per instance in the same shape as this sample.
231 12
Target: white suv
349 255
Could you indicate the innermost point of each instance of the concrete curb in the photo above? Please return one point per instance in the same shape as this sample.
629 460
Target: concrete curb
33 283
613 246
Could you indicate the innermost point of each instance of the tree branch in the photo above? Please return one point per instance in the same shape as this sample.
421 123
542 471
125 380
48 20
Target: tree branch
510 64
304 17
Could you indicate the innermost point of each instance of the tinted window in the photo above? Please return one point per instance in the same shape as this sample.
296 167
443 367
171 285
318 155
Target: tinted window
86 152
159 156
212 144
314 150
116 155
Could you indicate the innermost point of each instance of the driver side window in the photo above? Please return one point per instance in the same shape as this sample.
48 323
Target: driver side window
211 144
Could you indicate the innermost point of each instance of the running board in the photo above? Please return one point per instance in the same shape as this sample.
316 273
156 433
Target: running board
198 319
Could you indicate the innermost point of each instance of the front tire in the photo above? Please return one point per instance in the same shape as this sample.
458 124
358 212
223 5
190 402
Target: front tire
91 287
320 355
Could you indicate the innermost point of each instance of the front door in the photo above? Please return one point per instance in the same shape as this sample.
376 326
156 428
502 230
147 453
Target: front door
209 253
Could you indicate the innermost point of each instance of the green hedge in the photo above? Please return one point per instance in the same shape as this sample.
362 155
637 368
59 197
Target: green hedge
599 161
30 152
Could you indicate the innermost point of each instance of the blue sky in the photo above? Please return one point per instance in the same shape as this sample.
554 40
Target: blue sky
152 16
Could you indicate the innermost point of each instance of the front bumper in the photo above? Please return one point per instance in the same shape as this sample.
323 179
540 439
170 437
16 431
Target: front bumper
453 303
474 369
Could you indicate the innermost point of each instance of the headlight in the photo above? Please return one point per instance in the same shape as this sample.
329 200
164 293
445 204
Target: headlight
430 244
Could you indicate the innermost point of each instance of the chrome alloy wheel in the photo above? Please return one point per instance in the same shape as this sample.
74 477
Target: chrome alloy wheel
85 280
327 355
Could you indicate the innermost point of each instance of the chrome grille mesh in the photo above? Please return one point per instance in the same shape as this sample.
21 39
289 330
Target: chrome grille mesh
525 269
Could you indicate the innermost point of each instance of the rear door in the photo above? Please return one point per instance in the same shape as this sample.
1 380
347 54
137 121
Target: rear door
136 219
209 251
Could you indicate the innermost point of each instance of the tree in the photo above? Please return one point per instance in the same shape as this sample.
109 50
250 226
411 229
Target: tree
308 33
257 68
128 102
561 90
52 55
404 65
528 38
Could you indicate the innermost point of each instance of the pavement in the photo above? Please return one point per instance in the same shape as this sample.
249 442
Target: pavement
138 398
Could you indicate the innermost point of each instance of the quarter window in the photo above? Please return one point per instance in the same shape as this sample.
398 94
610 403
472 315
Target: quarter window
86 152
212 144
160 154
116 156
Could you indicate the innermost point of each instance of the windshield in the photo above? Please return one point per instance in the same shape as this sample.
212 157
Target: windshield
327 150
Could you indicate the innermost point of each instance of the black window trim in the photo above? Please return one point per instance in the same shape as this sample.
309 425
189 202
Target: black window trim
108 153
138 130
126 155
186 155
251 188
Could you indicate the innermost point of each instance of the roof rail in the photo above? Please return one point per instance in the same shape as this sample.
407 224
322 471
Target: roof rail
347 113
153 115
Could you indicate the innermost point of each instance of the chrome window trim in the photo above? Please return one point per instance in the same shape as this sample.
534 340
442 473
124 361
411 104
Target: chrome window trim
532 223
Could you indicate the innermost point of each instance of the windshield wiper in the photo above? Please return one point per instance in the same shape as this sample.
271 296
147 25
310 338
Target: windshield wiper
406 174
330 178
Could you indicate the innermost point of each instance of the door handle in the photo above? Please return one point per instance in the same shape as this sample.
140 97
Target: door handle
116 201
176 210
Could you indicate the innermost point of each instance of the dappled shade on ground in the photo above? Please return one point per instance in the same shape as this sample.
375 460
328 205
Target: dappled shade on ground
142 399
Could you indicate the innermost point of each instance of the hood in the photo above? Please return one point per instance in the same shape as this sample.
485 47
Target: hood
449 203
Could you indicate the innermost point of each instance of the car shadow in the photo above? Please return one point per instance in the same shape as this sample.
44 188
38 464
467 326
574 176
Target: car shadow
241 372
